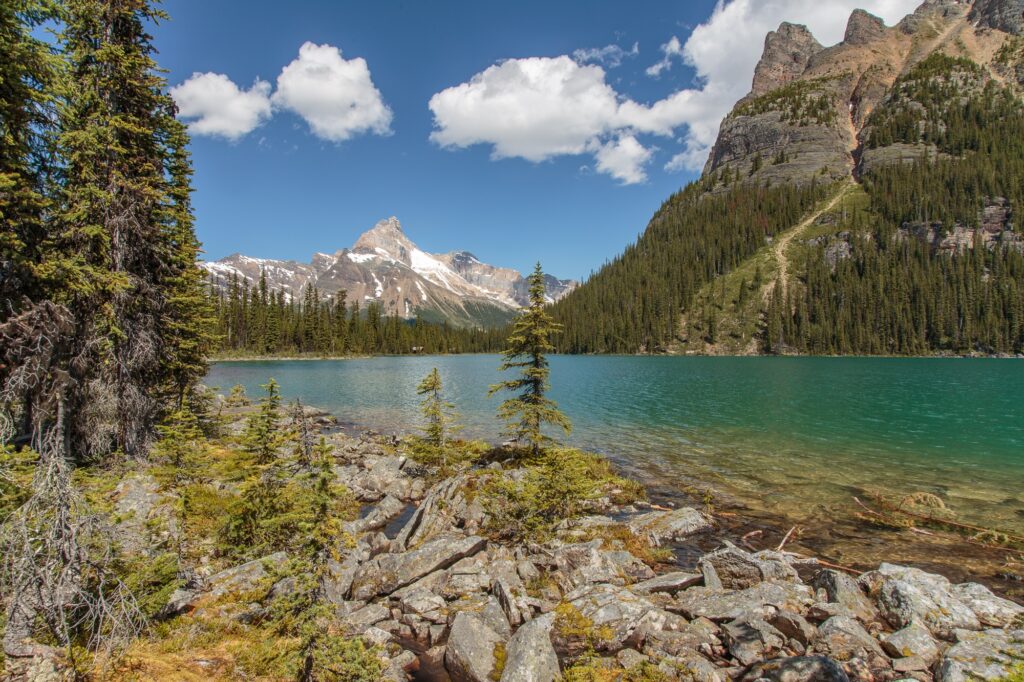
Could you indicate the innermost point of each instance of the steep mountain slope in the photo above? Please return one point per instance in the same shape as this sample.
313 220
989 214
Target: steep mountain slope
386 267
902 149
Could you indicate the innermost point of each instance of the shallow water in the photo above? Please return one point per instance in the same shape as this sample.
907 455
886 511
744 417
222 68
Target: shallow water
790 438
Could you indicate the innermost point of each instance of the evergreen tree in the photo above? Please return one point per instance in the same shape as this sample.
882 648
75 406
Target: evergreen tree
123 229
529 343
27 73
438 414
262 436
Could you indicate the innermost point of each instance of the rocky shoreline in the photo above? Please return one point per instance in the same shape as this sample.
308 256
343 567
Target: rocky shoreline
424 583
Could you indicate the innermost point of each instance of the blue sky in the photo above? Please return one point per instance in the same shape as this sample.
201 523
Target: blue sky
539 151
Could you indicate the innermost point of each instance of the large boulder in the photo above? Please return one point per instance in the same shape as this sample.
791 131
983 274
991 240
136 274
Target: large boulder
913 640
735 569
615 614
668 582
761 600
669 526
752 639
241 578
388 572
843 638
444 509
378 516
470 653
988 655
844 590
905 595
530 657
586 563
992 611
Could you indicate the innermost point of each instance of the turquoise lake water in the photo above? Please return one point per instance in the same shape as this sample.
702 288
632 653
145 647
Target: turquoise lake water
798 437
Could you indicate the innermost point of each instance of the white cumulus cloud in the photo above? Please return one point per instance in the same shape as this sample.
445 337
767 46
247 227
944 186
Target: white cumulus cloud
219 107
541 107
335 96
534 108
623 159
670 50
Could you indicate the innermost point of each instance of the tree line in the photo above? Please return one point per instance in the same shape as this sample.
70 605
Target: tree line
258 320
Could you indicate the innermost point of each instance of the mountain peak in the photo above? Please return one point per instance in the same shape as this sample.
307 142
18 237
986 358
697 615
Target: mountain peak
386 238
787 52
863 28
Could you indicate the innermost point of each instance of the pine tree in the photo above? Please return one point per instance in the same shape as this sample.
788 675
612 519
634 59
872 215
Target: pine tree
262 436
438 414
530 410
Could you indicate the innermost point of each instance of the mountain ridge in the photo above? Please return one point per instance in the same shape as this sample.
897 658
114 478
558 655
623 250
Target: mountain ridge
860 199
385 266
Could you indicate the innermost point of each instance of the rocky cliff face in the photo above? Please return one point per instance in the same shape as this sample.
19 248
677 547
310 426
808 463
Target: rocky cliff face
805 116
386 267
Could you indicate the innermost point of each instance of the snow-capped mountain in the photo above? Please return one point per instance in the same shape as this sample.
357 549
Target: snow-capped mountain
385 266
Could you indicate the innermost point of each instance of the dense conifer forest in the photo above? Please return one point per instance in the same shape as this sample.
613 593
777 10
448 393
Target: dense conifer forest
899 291
255 320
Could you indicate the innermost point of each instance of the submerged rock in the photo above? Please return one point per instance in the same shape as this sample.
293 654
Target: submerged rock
660 527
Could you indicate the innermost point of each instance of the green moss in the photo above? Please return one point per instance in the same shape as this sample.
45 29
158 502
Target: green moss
500 659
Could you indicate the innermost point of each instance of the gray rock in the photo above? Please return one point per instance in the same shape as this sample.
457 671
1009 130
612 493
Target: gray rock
444 509
987 655
530 657
737 569
761 600
509 601
385 510
794 626
797 669
843 638
914 640
241 578
586 563
494 616
469 654
424 603
357 622
146 521
669 582
910 664
752 639
388 572
992 611
844 590
669 526
905 595
615 610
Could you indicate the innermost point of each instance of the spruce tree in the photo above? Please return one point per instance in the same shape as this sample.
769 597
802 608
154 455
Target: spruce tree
27 73
439 415
124 223
530 410
262 436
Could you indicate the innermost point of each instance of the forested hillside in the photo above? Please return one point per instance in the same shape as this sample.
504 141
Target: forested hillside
917 251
